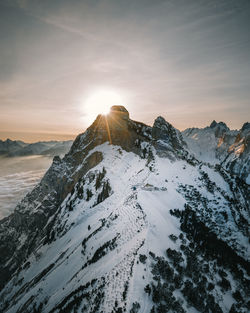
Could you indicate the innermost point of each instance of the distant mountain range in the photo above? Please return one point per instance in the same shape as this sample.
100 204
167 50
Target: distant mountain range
12 148
217 144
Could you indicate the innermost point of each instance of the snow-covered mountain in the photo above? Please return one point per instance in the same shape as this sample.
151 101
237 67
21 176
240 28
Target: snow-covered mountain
12 148
128 221
217 144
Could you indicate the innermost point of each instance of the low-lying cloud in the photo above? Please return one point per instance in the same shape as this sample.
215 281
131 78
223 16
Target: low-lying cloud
18 177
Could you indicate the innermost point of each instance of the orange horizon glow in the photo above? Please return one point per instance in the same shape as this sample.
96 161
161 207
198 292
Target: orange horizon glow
31 137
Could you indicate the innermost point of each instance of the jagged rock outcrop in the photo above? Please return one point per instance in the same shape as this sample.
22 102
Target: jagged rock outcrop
245 127
219 128
164 131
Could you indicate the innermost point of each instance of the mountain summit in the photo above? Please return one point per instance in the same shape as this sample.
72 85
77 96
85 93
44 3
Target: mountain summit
130 220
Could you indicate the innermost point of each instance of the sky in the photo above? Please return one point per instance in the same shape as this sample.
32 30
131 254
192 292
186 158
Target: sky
186 60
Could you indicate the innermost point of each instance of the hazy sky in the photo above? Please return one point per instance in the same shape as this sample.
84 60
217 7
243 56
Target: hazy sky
187 60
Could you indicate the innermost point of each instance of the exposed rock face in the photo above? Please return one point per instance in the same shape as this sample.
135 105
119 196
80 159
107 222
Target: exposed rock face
116 128
238 158
219 128
120 111
246 126
163 130
213 124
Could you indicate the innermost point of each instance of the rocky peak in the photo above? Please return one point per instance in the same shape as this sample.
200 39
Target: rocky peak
9 142
116 128
116 114
213 124
246 126
162 130
221 125
119 111
219 128
160 122
111 127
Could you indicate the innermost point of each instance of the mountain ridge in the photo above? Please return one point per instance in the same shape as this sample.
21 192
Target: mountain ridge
12 148
135 222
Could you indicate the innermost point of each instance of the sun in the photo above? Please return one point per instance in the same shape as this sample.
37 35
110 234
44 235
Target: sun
100 102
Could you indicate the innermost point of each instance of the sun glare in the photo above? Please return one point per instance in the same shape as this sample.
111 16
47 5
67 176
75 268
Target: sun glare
100 102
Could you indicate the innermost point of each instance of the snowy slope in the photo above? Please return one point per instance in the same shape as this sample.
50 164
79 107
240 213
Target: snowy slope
133 234
217 144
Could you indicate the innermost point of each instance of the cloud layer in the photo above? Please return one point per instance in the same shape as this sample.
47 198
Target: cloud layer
18 176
